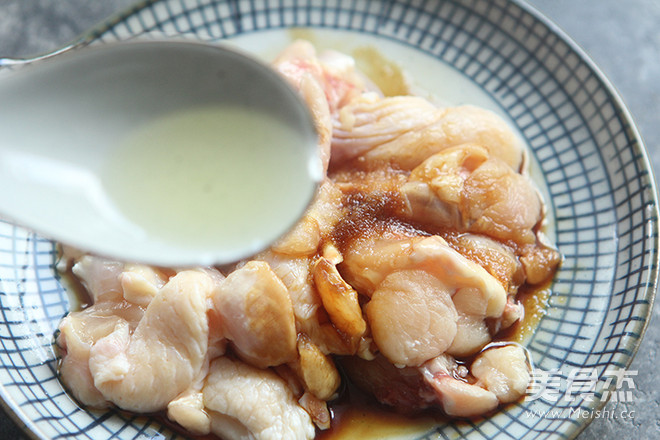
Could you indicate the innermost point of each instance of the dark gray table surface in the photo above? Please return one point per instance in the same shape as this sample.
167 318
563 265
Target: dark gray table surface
621 36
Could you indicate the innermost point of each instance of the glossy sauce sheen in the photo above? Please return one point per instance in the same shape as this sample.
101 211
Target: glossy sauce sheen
211 177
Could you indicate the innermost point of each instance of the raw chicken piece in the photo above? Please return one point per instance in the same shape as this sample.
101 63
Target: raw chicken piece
299 66
257 315
500 203
344 79
472 332
79 331
412 317
513 311
325 82
401 178
188 411
502 376
144 370
498 259
367 262
333 71
140 284
317 223
313 94
539 263
295 273
469 189
100 276
106 279
503 371
403 131
458 397
461 399
311 319
370 121
414 307
472 335
249 403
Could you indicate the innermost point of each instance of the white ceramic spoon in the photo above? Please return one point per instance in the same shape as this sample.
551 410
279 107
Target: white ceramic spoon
165 152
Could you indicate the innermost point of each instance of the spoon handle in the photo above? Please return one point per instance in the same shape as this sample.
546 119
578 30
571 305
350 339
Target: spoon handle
8 62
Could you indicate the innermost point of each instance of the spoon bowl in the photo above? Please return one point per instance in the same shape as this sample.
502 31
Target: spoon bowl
163 152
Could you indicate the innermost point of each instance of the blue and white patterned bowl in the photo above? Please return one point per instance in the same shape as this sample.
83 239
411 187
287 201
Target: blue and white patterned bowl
586 155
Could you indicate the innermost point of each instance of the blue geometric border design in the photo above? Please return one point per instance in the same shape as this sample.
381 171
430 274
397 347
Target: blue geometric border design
592 159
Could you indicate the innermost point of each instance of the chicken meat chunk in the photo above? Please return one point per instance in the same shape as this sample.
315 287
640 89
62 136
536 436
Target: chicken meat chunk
145 369
367 262
412 317
325 81
499 374
257 315
246 402
403 131
110 285
425 297
468 189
